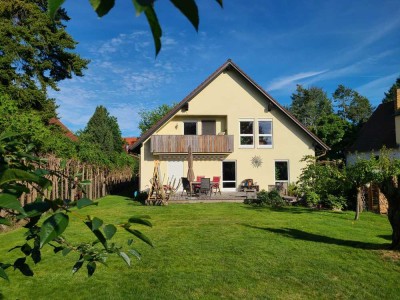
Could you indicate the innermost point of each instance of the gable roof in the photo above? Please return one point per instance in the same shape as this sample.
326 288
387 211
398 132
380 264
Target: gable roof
228 65
68 133
378 131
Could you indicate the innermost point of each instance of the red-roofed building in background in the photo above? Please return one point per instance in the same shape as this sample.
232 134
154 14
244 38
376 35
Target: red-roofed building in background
129 141
68 133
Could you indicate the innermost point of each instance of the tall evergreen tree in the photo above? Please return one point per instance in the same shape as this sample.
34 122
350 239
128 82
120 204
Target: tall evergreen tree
390 95
103 131
35 53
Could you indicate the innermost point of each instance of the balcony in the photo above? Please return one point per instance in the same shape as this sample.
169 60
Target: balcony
199 143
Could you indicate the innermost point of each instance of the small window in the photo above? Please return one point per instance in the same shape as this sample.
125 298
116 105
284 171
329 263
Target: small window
190 128
247 134
281 171
264 133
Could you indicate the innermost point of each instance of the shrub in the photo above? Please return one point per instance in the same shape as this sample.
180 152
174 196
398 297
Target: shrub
311 199
334 202
271 198
293 189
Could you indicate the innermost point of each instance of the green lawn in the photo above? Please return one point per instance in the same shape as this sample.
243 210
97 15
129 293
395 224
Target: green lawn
224 250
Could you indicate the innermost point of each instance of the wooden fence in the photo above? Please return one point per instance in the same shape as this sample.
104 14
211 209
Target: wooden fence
66 174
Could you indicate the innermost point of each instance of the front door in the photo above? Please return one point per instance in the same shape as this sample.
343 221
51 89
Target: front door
175 172
229 175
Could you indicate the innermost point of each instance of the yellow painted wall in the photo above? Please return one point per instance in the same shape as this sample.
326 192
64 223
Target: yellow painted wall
228 99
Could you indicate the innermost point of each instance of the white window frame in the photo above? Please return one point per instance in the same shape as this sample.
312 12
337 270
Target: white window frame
253 135
266 135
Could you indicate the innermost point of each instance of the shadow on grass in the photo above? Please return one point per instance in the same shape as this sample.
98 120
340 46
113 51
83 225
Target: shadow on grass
288 209
385 236
312 237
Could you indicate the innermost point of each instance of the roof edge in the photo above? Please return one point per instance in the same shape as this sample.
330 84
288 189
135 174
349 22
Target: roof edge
201 86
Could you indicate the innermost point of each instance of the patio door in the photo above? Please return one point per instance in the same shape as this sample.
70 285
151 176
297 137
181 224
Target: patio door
175 171
229 175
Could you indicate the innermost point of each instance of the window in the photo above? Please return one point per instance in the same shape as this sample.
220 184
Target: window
281 171
190 128
247 134
264 133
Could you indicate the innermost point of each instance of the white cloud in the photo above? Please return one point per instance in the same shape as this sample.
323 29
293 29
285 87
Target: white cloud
376 88
286 81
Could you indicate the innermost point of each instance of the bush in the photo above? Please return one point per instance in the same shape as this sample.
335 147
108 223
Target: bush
311 199
293 189
271 198
334 202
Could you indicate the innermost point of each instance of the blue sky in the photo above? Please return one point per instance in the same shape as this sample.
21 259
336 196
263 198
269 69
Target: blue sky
277 43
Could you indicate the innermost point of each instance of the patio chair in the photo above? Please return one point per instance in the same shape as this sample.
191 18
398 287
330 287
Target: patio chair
196 187
215 185
205 186
185 186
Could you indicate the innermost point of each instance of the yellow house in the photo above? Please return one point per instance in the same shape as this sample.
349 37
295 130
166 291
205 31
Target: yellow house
236 131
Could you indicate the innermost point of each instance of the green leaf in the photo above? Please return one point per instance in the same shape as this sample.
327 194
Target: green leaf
91 267
35 209
85 182
140 221
53 227
220 3
77 265
36 255
11 175
53 6
154 26
5 221
96 223
63 164
23 267
102 7
81 203
97 233
10 202
26 249
66 251
139 235
134 252
189 9
109 231
3 274
126 258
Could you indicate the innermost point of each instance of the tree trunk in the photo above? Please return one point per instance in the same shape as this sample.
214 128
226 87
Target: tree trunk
391 191
358 204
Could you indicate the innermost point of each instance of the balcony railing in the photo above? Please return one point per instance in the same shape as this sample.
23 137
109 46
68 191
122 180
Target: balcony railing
199 143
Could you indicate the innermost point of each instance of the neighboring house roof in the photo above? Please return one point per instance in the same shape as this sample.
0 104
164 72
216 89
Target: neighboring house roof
228 65
378 131
68 133
130 140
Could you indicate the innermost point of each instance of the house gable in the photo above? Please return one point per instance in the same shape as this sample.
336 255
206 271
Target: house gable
219 92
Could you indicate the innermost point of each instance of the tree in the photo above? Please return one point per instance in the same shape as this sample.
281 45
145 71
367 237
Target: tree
35 53
187 7
383 171
334 131
390 95
103 131
351 105
151 116
310 105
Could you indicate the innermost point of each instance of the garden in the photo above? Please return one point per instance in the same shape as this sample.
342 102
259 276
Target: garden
220 250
